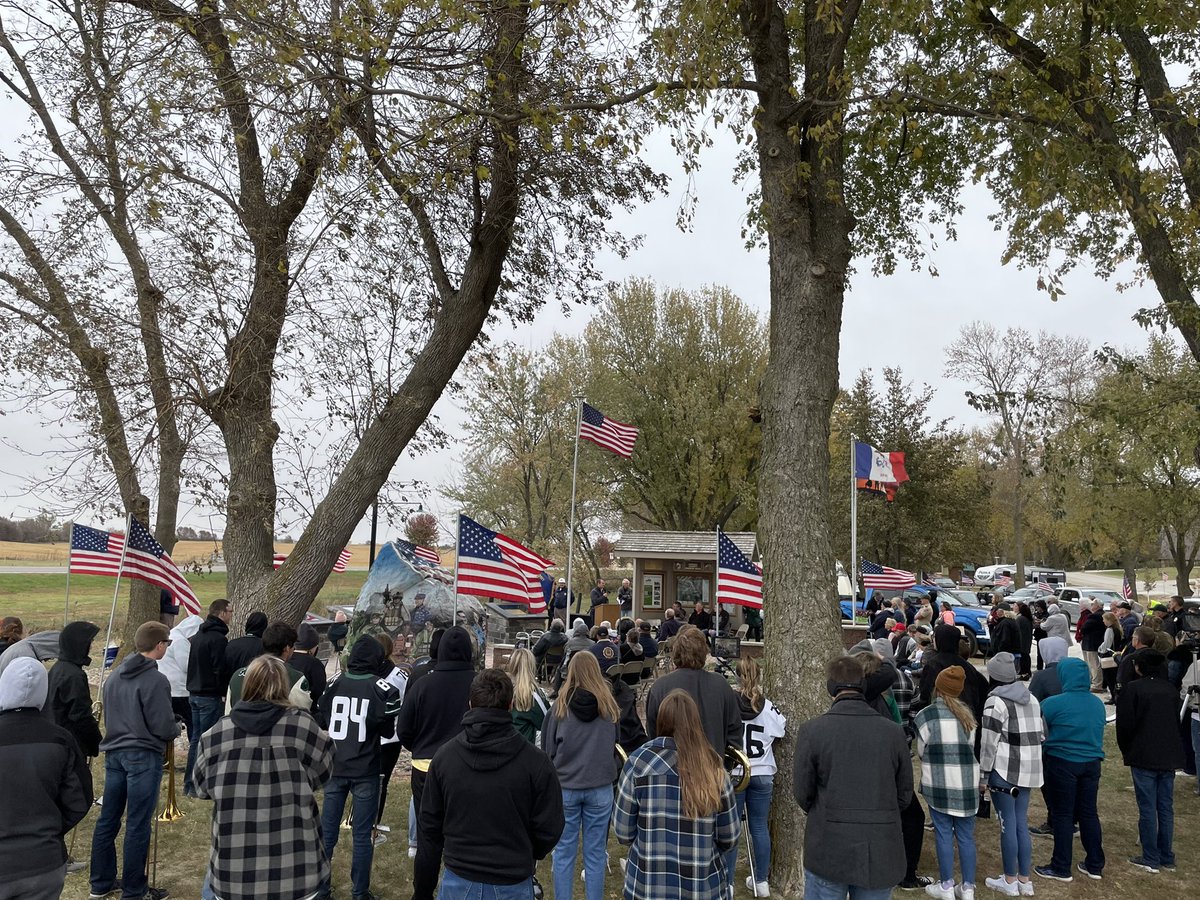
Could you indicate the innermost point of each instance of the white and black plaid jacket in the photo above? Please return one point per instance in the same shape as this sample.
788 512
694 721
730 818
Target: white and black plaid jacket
1012 741
265 827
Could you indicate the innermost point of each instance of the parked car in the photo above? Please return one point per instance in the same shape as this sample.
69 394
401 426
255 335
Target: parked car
1068 599
941 581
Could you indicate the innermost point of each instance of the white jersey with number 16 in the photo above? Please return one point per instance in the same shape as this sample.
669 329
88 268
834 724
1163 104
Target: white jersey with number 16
758 739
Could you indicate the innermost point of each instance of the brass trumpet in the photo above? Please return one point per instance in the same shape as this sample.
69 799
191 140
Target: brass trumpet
171 812
735 758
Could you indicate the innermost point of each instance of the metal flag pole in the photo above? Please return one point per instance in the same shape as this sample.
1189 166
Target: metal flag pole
113 612
571 532
853 536
67 603
457 561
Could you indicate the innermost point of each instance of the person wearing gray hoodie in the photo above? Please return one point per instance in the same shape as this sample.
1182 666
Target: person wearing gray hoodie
138 724
1010 765
44 783
1045 682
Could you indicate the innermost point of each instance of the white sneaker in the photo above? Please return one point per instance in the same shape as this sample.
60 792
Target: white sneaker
757 888
1002 885
941 893
386 829
1026 888
379 839
412 852
962 892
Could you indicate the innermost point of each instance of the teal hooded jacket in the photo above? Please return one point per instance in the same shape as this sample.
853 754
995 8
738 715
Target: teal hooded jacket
1075 718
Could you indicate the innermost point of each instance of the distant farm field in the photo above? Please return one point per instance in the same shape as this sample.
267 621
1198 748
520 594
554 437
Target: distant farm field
39 599
185 553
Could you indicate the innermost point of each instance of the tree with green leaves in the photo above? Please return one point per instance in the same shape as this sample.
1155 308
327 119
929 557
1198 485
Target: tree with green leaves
684 367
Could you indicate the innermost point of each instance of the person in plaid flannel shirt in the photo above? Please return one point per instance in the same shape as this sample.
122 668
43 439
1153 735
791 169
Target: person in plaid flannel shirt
675 810
262 765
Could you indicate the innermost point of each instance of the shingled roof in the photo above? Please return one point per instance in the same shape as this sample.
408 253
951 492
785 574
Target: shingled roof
681 544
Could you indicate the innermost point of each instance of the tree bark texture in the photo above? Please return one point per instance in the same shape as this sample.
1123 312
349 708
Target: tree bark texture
801 157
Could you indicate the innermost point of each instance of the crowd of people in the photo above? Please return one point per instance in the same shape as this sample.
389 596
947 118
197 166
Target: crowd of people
282 752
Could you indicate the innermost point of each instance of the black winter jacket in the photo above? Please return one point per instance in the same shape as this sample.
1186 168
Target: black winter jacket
1148 724
240 652
1091 632
434 705
68 694
46 790
208 672
489 767
1006 637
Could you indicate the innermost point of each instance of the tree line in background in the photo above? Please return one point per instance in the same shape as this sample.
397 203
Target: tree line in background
1082 458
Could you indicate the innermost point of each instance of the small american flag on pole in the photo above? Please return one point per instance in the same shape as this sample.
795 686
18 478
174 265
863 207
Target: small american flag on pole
598 428
885 577
95 552
339 566
1127 588
491 564
738 580
427 554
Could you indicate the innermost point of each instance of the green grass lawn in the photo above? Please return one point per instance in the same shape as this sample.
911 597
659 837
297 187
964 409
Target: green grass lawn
39 599
183 849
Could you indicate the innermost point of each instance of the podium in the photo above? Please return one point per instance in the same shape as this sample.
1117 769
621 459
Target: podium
606 612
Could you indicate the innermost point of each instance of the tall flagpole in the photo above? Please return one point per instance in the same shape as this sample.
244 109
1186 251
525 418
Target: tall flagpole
457 561
853 535
116 589
571 533
67 603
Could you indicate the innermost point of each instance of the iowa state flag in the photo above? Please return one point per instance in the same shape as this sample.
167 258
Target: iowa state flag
876 465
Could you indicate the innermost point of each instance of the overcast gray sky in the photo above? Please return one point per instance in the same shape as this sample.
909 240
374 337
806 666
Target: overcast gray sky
905 320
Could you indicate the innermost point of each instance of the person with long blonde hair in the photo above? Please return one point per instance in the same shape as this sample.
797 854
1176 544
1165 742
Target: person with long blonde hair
950 782
529 703
676 811
266 840
580 737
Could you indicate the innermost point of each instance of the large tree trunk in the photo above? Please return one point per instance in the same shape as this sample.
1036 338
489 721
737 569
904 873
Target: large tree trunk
808 228
1129 559
1019 535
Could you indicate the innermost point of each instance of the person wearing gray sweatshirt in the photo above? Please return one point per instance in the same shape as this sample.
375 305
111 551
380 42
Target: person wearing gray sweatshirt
580 736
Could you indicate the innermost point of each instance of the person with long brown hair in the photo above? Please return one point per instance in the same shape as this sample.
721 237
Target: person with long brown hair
262 765
676 811
580 737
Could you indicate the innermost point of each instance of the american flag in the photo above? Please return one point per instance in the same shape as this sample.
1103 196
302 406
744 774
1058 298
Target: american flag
966 580
423 553
738 580
1127 588
95 552
885 577
1043 583
598 428
339 566
493 565
1002 581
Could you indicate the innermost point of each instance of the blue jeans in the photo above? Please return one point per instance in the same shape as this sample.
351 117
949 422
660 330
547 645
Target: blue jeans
1071 788
456 888
205 713
755 802
946 830
1155 792
131 779
1016 848
818 888
587 810
365 792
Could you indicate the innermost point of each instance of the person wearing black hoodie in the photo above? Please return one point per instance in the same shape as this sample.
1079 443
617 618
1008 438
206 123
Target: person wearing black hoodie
433 714
207 680
1147 729
69 696
138 725
44 782
975 689
489 766
266 755
240 652
358 707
